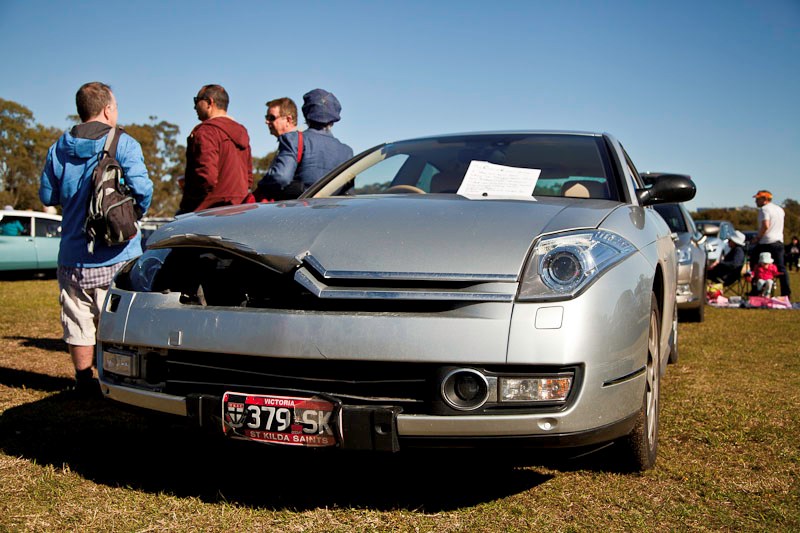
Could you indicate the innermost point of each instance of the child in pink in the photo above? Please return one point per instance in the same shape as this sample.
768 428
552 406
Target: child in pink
764 274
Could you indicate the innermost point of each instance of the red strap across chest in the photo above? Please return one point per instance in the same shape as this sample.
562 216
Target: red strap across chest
299 146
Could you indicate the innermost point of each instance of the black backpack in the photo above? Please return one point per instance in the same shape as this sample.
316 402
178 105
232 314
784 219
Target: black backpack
112 214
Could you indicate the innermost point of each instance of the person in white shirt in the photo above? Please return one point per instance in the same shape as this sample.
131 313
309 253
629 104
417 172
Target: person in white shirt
770 235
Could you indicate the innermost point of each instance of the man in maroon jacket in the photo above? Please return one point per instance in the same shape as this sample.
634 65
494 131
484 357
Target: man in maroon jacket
219 166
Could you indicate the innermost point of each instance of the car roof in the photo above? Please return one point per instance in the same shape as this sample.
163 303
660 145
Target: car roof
20 213
504 132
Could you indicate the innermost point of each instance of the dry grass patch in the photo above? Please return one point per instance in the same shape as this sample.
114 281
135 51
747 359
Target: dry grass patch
729 456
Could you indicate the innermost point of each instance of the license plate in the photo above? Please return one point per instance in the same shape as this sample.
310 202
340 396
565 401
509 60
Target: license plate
287 420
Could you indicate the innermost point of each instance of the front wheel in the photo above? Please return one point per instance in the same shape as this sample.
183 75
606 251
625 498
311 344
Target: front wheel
639 448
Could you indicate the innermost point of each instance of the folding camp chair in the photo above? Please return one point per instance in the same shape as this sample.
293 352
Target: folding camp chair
742 286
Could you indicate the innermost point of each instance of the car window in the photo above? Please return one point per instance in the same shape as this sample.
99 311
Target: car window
47 228
15 226
728 230
567 165
671 213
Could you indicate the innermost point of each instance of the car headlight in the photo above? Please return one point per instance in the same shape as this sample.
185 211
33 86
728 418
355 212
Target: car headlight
684 255
145 268
561 266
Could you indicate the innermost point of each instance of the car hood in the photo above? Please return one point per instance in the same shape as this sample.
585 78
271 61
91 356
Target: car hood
414 235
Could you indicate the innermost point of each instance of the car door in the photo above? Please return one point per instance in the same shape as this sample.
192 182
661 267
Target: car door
17 248
47 239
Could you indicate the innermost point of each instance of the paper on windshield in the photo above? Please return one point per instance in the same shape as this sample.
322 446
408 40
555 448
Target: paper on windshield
487 180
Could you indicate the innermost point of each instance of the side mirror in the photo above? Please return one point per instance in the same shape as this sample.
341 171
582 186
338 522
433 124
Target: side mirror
667 188
699 237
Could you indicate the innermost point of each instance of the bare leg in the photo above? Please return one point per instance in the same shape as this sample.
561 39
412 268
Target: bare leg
86 386
81 356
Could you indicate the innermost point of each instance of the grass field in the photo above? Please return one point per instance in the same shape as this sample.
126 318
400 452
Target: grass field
729 457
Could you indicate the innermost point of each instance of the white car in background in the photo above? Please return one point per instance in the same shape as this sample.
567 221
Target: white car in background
717 233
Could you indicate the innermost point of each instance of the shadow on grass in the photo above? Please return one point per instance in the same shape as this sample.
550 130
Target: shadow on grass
118 447
33 380
51 345
18 275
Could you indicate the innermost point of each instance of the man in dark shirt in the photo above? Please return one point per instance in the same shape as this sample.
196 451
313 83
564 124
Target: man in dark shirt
729 268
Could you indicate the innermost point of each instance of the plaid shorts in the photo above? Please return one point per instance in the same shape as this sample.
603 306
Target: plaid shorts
82 292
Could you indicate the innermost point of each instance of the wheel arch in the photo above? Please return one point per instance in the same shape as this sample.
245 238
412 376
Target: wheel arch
659 289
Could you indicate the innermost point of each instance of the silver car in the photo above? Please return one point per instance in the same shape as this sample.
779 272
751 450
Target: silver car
691 253
486 288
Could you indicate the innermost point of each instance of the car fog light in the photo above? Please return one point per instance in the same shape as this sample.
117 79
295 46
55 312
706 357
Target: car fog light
465 389
122 364
542 389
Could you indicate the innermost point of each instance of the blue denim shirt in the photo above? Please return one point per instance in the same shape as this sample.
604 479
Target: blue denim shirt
322 152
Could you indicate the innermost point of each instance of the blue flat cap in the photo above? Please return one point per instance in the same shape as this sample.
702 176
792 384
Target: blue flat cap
321 106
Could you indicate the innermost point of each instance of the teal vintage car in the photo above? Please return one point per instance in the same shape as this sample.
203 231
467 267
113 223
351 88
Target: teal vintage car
29 240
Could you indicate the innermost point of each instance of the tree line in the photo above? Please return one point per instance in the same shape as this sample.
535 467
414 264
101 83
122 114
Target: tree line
24 144
23 152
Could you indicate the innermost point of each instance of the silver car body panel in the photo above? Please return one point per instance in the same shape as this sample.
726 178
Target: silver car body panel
691 274
482 333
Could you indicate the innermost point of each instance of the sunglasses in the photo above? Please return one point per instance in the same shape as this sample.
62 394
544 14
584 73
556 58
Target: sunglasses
196 99
272 118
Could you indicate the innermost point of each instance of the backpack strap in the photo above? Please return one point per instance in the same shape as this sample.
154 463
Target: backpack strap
110 147
299 146
112 141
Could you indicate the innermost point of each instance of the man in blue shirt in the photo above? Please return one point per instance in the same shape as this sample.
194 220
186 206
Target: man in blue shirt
303 157
84 277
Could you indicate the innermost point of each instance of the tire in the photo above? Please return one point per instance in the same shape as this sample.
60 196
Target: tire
698 314
673 352
639 448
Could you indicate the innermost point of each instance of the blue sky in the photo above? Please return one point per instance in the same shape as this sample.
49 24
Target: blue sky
707 88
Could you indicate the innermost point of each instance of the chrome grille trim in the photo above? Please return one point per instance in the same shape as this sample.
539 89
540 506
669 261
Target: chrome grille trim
321 290
405 276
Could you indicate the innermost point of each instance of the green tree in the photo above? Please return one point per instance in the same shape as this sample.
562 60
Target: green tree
165 159
23 151
742 219
260 167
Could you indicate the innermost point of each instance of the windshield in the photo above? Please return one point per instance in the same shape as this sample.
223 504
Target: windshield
513 165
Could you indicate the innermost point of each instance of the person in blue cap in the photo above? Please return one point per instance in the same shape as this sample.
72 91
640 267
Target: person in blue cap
304 157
